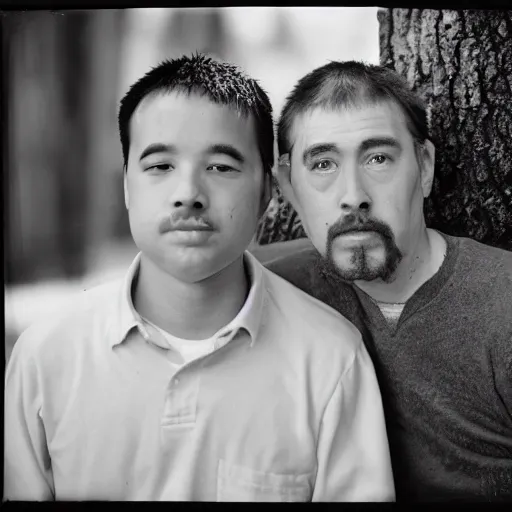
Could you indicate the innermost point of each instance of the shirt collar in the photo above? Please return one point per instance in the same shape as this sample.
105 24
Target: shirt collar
248 318
128 316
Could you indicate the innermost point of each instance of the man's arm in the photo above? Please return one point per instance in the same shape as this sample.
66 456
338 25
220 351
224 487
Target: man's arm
502 372
353 454
27 465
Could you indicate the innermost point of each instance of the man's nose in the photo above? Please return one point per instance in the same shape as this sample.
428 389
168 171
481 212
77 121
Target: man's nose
354 196
188 191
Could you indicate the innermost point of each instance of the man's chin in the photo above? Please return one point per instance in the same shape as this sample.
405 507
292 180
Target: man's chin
349 273
356 274
361 257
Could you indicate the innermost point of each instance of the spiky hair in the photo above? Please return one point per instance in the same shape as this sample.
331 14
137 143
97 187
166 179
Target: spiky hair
222 83
348 84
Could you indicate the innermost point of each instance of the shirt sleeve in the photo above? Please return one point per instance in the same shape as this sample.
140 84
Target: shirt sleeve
353 453
27 466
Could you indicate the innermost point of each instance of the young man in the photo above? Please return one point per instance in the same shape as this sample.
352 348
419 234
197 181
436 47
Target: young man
202 376
356 162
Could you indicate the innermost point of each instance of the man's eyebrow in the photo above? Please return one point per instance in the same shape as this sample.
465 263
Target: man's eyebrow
379 141
157 147
317 149
226 149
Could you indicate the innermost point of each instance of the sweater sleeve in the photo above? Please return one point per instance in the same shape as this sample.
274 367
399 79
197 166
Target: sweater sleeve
27 465
353 454
502 369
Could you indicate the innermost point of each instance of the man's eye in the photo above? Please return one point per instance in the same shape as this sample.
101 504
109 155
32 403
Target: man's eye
378 160
324 166
159 167
221 168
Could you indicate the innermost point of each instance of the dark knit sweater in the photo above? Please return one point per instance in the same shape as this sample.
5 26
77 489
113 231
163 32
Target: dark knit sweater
445 371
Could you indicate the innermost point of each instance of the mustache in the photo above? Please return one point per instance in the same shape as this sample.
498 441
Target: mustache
352 222
176 221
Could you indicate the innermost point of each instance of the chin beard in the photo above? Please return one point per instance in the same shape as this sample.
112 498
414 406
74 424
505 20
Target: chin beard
362 267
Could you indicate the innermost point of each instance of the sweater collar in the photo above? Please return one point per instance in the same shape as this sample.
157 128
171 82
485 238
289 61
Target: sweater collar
429 289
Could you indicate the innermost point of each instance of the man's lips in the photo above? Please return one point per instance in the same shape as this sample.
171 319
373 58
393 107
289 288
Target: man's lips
357 236
359 232
191 227
191 223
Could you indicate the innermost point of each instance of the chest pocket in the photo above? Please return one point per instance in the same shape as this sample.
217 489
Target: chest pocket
238 483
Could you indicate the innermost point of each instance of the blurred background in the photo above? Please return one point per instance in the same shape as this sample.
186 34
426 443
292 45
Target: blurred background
64 72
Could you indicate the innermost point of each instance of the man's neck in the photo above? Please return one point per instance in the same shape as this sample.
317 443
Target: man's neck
190 310
422 261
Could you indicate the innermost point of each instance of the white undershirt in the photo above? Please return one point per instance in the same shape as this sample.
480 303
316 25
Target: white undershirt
391 311
187 349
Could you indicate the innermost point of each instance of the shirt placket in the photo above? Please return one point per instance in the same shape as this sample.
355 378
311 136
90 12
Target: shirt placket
183 389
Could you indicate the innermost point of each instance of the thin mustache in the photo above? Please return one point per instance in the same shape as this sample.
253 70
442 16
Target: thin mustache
185 223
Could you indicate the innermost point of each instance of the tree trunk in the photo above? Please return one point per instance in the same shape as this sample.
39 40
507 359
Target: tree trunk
64 171
103 161
32 84
71 145
46 145
460 63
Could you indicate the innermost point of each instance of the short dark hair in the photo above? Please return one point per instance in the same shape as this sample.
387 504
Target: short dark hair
349 83
222 83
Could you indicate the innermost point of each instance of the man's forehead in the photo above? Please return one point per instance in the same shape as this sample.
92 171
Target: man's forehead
149 100
317 124
154 122
161 108
162 100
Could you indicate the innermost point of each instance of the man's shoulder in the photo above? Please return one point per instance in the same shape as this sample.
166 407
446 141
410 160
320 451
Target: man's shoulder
293 261
480 286
297 262
471 247
86 311
488 266
309 319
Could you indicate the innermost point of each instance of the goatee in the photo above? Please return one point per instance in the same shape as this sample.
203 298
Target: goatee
360 268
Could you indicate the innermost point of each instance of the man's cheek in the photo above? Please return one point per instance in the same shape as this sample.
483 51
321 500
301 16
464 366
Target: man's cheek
246 206
232 212
317 230
237 218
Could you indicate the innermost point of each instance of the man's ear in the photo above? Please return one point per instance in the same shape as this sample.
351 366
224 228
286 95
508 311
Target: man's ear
125 184
266 193
427 163
284 178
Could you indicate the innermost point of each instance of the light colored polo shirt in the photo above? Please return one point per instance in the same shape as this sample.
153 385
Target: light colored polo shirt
285 408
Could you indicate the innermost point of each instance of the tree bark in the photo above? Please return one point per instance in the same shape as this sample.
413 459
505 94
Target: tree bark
460 63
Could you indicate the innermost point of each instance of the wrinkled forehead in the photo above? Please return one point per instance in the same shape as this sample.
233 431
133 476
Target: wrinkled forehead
323 121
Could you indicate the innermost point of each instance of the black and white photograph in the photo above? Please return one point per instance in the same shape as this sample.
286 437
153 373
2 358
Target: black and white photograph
257 254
